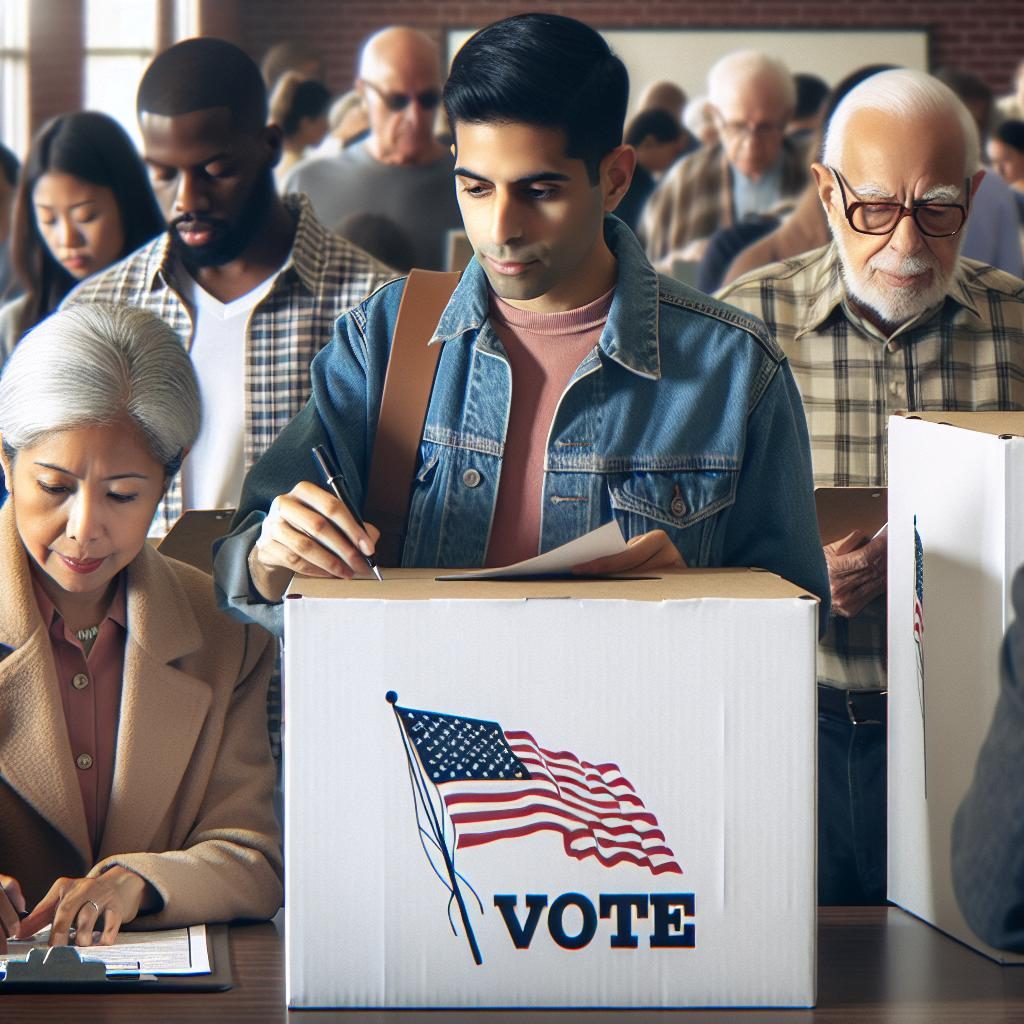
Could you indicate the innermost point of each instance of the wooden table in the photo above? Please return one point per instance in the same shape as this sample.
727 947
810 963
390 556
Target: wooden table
874 964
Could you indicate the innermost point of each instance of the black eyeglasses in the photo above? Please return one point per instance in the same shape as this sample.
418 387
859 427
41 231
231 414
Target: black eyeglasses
429 99
936 220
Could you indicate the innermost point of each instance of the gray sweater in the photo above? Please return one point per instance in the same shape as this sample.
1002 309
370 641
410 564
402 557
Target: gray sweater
419 199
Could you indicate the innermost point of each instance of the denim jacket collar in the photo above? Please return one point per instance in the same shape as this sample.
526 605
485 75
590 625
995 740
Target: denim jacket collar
631 343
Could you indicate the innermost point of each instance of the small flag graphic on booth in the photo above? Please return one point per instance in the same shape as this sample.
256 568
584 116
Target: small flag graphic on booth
919 611
919 644
497 784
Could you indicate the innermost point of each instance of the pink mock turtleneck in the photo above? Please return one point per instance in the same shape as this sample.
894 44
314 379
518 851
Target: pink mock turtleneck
544 350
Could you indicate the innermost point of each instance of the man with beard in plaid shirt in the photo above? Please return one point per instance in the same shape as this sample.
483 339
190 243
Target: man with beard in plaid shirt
887 317
251 283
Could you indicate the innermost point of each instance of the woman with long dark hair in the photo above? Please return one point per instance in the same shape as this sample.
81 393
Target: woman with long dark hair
84 201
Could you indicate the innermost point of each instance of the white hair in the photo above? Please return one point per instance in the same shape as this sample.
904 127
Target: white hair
910 95
695 114
97 364
728 71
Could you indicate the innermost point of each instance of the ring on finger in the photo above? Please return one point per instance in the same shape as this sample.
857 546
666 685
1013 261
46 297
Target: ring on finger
95 904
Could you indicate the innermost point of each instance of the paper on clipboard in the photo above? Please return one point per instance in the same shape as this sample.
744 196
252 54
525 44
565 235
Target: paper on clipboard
605 540
176 951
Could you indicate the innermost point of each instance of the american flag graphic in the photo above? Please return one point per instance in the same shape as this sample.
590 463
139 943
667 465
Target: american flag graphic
594 807
501 784
475 783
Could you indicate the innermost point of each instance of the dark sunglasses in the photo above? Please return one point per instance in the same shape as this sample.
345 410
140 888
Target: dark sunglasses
429 99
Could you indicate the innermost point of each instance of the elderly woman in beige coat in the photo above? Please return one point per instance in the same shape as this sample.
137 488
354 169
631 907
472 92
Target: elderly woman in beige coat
135 773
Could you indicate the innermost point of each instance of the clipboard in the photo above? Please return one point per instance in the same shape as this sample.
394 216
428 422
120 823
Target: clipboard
60 969
191 537
844 509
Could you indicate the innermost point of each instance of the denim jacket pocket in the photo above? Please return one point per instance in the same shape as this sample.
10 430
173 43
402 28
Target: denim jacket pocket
685 504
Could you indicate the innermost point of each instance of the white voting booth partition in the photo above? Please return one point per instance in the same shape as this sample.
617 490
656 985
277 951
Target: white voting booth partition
956 537
550 793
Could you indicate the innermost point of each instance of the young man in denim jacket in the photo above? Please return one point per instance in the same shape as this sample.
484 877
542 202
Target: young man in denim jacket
574 385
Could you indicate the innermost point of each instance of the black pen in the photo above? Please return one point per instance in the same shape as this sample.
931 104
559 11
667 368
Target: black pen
336 482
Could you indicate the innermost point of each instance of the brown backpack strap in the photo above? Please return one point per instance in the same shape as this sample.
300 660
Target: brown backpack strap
403 407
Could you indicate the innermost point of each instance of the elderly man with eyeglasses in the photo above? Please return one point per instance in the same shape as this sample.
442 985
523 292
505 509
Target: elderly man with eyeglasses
887 317
754 170
400 171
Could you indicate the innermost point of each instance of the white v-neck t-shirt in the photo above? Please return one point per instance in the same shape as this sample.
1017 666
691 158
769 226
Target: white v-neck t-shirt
212 473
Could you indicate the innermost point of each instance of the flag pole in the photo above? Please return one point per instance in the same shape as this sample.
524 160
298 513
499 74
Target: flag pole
392 698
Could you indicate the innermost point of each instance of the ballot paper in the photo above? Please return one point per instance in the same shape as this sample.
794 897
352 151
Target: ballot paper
605 540
174 951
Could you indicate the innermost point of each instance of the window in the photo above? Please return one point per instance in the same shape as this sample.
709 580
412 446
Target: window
186 19
14 75
120 40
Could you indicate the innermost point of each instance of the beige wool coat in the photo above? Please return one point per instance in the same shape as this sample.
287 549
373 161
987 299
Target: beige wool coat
191 802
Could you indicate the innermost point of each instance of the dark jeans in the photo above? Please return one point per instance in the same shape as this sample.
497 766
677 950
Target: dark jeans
851 802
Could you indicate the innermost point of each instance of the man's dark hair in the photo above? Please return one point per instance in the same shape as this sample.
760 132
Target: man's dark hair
9 166
659 123
202 73
308 99
1011 133
811 92
543 70
969 87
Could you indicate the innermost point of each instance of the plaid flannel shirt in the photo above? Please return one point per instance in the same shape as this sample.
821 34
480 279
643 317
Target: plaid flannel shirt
694 200
323 276
966 355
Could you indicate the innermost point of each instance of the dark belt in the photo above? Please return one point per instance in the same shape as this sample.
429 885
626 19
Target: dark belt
858 707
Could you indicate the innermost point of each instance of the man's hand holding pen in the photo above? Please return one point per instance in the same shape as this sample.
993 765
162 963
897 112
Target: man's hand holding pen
311 532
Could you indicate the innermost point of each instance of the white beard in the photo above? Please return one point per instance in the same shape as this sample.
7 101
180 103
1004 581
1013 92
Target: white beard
894 306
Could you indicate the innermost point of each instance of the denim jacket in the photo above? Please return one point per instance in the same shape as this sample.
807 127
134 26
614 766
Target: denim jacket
684 418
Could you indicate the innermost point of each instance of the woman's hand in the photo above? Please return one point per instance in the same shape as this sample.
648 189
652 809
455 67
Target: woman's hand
12 906
78 903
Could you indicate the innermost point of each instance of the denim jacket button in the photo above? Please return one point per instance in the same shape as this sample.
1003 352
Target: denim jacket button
471 478
678 507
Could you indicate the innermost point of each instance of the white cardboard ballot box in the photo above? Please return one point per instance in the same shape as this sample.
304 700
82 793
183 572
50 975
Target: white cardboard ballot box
586 793
956 536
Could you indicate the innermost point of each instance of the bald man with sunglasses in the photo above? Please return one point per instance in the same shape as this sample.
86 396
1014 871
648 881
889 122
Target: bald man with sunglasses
400 171
889 316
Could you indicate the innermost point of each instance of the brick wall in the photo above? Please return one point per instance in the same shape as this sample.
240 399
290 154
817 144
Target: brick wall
983 36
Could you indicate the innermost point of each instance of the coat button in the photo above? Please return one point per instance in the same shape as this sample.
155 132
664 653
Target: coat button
80 681
471 478
84 761
678 507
